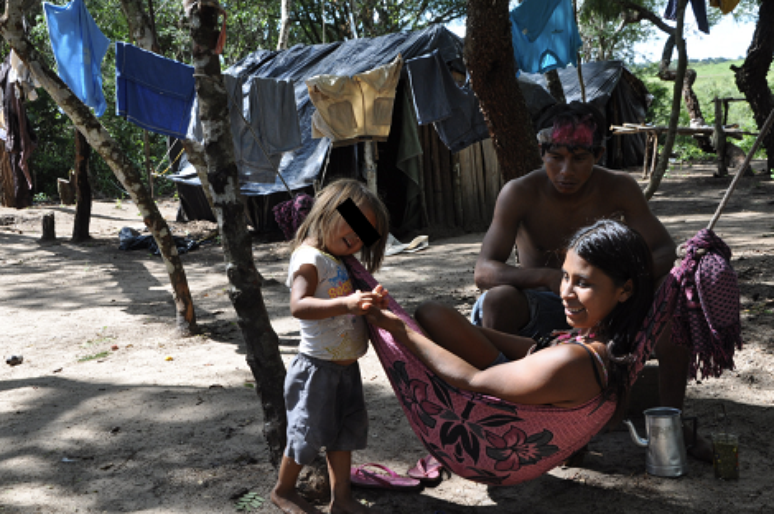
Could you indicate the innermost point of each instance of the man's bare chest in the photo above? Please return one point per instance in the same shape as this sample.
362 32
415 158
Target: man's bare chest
543 236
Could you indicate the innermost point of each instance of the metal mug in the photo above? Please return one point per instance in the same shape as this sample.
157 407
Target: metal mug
666 455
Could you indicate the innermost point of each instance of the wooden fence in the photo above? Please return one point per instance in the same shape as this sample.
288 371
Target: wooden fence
460 189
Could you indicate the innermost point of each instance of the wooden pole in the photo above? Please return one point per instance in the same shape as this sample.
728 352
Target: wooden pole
427 171
370 165
740 171
648 136
720 139
655 154
437 185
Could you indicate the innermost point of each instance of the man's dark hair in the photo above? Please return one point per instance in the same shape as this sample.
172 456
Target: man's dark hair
573 125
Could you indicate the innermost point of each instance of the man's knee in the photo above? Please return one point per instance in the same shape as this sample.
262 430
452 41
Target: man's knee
428 311
505 308
505 298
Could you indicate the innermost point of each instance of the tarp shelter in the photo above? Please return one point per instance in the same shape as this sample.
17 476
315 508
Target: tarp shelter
301 167
622 97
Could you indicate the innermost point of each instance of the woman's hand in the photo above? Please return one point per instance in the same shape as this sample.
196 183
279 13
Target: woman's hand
385 319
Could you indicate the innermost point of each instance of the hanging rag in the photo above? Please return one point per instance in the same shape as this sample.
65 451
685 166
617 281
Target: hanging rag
699 12
349 108
264 125
79 47
725 6
438 99
153 92
20 140
545 35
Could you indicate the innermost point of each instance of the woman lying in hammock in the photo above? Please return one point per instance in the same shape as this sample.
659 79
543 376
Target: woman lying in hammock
607 289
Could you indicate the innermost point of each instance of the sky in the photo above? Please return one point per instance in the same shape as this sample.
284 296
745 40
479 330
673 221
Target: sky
727 39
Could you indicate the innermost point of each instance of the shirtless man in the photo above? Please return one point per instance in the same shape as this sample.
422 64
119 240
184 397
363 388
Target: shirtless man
540 211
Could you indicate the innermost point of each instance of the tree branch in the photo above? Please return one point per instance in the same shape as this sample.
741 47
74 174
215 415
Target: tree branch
646 14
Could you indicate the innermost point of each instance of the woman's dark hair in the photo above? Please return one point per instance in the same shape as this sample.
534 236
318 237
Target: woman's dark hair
623 255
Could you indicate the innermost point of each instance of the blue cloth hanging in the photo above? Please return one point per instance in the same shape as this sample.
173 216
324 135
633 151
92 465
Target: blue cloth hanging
79 47
699 12
545 35
152 91
453 109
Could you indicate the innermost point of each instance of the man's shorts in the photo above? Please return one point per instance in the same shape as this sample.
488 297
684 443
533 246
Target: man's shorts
546 313
325 407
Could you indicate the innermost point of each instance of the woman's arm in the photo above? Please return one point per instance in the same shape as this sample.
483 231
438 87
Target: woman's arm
560 376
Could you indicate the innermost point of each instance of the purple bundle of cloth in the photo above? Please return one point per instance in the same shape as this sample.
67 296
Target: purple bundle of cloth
291 213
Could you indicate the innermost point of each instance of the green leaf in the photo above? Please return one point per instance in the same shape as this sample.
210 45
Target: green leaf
249 501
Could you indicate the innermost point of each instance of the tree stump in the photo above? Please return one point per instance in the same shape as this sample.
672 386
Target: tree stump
49 230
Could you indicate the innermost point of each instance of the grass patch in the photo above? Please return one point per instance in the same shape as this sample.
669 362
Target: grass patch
99 355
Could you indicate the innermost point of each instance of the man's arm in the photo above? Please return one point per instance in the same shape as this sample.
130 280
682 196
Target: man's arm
513 203
638 216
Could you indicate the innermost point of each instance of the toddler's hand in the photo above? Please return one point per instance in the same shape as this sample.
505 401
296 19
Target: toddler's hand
359 302
382 297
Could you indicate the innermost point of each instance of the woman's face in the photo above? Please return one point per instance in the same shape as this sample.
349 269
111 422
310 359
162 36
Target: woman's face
588 294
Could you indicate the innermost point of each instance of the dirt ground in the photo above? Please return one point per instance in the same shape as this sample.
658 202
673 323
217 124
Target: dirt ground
111 412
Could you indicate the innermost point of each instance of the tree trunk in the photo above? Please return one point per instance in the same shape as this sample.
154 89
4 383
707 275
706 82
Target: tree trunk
282 41
140 26
555 86
492 68
11 28
689 96
245 281
82 189
674 118
751 76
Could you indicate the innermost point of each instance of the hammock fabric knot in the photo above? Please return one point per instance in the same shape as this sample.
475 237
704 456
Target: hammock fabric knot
706 316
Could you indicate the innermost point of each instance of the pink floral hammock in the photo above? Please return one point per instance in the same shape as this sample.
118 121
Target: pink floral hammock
488 440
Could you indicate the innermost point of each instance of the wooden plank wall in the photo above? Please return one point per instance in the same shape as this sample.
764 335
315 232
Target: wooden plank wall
461 189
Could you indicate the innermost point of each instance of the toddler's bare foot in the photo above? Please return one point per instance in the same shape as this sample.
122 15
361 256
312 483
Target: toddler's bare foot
350 506
292 503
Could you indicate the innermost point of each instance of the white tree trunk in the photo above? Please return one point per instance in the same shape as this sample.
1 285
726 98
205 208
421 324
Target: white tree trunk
282 43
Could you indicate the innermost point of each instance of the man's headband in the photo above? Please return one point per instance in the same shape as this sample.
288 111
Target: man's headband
358 221
569 134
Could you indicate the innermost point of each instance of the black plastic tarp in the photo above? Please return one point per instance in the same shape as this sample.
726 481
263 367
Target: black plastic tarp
620 95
